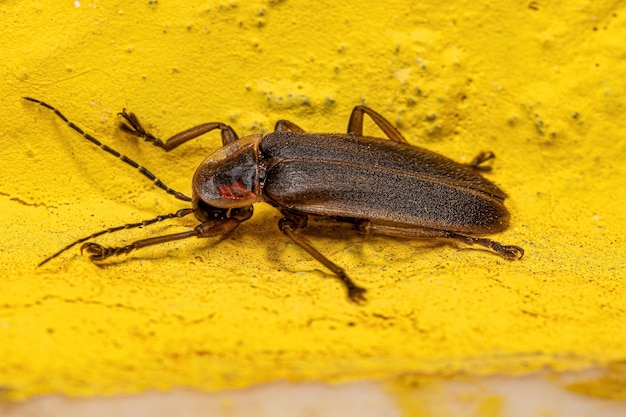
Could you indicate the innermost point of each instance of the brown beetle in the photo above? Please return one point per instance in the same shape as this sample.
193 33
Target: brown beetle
381 186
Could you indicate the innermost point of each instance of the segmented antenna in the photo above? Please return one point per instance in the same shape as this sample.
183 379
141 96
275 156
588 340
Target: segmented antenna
113 152
179 213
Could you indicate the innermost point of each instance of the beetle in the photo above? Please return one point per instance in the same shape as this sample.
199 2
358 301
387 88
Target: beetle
384 186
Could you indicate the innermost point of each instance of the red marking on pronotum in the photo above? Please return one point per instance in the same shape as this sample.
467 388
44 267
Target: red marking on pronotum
235 191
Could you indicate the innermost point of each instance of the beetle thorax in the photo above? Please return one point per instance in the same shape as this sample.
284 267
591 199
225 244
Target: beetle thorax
230 177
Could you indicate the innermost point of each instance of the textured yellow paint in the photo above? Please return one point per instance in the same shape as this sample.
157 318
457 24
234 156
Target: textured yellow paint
541 84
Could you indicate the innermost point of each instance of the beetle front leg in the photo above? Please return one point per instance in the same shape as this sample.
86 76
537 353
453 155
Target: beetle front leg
130 124
288 226
209 228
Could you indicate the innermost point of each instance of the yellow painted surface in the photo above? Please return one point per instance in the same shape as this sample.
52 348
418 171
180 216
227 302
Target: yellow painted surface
540 83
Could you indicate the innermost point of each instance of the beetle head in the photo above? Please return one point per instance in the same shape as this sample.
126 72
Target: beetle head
205 212
229 178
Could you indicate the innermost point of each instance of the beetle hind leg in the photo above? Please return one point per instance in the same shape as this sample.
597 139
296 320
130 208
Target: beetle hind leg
509 252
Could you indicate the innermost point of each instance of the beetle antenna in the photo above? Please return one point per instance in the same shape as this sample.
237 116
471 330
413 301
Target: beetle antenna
180 213
113 152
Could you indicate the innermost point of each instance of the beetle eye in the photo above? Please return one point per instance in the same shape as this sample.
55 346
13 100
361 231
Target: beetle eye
205 212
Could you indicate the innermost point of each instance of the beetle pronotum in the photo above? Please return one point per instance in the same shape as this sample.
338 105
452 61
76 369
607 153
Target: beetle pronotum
377 185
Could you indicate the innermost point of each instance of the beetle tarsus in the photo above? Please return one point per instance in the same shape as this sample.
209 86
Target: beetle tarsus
509 252
356 294
512 252
480 159
131 125
99 253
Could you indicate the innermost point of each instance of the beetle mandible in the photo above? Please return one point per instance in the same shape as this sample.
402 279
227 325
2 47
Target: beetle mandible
384 186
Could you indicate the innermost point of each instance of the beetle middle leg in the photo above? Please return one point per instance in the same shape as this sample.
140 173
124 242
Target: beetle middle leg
355 125
289 224
480 159
287 126
509 252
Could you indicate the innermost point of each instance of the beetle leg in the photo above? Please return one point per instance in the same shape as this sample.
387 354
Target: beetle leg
287 126
477 163
209 228
131 124
355 125
509 252
288 226
178 214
